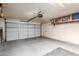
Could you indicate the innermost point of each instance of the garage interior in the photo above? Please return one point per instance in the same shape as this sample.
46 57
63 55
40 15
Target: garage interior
39 29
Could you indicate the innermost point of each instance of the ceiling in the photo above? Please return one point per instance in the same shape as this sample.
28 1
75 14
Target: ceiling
25 11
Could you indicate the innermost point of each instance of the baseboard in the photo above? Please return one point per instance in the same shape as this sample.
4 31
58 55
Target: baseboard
60 40
33 37
24 38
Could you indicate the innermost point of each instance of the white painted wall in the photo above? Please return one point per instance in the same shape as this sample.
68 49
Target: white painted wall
1 22
2 26
63 32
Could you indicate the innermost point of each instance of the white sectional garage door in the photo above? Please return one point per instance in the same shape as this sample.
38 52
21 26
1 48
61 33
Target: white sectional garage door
12 31
22 30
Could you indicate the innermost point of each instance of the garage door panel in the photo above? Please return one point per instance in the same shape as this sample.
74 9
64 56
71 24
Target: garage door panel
16 31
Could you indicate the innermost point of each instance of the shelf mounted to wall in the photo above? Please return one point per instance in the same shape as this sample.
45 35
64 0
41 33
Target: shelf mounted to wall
73 18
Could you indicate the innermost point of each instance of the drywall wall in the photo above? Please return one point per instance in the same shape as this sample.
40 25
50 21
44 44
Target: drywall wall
63 32
1 22
2 26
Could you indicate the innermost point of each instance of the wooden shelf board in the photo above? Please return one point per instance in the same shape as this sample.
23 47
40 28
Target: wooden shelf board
73 21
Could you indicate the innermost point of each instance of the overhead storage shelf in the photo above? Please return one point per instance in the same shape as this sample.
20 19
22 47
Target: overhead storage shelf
73 18
73 21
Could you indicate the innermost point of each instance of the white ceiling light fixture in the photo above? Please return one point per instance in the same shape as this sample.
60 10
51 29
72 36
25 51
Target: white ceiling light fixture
57 5
61 4
33 12
54 4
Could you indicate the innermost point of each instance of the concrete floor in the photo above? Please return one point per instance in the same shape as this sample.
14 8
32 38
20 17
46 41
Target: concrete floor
34 47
